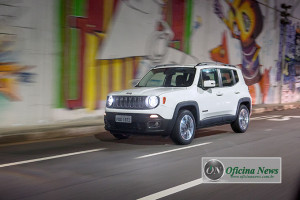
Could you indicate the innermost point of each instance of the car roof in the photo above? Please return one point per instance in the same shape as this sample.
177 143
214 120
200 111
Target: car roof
201 64
214 64
173 65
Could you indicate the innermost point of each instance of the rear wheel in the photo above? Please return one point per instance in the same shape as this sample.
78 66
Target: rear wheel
241 123
184 129
119 136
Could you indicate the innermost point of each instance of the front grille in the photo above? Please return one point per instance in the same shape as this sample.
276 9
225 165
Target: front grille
129 102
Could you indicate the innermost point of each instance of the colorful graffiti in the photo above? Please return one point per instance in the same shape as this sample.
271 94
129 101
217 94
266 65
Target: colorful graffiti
291 69
84 27
245 22
11 73
106 44
220 53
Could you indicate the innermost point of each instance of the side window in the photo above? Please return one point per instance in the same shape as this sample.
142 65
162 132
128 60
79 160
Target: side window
227 79
208 74
236 76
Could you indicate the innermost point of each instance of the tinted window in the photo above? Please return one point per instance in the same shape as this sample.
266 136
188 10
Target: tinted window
227 79
168 77
208 74
236 76
156 80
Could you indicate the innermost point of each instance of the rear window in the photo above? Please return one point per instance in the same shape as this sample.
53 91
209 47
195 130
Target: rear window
227 79
236 77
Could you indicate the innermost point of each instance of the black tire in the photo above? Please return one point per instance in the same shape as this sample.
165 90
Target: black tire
241 123
120 136
183 134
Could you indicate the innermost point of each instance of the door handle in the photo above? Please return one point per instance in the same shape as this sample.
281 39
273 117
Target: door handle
237 92
219 94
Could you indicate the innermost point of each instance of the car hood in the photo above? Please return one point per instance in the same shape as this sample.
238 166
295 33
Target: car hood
147 91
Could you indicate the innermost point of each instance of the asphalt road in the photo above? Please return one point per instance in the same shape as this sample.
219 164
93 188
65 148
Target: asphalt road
101 167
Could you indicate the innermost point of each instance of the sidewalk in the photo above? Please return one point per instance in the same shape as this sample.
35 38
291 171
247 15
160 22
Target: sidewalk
272 107
65 129
89 126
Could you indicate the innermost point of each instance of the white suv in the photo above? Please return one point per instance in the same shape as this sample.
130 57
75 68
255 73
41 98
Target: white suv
175 100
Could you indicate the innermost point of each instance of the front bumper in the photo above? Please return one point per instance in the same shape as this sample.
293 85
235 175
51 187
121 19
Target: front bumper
141 124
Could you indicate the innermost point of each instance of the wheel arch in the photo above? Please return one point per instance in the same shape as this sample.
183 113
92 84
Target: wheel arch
192 106
244 101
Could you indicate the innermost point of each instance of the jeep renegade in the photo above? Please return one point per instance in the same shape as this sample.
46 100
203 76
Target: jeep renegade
175 100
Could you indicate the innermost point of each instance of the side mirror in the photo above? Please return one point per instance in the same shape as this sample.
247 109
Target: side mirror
209 84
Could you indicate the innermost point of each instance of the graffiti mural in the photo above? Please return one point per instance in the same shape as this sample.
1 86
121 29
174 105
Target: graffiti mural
106 44
11 72
245 21
242 23
291 69
220 53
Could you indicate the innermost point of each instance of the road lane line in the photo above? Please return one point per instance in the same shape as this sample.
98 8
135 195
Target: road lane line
173 190
178 149
49 157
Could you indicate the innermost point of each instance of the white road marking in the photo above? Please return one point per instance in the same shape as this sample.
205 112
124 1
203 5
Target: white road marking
265 117
49 158
285 118
275 118
173 190
178 149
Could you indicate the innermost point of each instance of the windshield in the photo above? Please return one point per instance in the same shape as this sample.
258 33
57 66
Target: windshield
168 77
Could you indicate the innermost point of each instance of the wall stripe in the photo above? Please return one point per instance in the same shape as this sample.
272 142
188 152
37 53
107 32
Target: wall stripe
110 76
78 10
117 74
95 16
61 62
128 71
60 57
104 78
108 13
123 86
98 83
73 69
90 91
188 28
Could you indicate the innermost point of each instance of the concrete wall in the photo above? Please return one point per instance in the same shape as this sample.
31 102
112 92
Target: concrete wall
27 61
67 55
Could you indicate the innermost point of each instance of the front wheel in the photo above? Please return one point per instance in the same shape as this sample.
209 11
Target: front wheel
119 136
184 129
241 123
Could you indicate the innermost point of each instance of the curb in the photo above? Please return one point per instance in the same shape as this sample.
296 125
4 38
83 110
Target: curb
274 107
67 129
51 134
89 126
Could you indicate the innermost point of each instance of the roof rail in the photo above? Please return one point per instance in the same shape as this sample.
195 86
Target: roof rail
228 65
165 65
207 63
214 63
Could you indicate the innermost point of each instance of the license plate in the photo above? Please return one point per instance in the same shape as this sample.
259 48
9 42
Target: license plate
123 118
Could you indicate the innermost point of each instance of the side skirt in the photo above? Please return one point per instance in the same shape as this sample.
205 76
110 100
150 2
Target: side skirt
214 121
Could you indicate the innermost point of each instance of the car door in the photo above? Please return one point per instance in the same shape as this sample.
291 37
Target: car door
230 91
210 100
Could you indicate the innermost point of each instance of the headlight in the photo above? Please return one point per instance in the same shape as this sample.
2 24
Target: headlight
110 101
151 101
